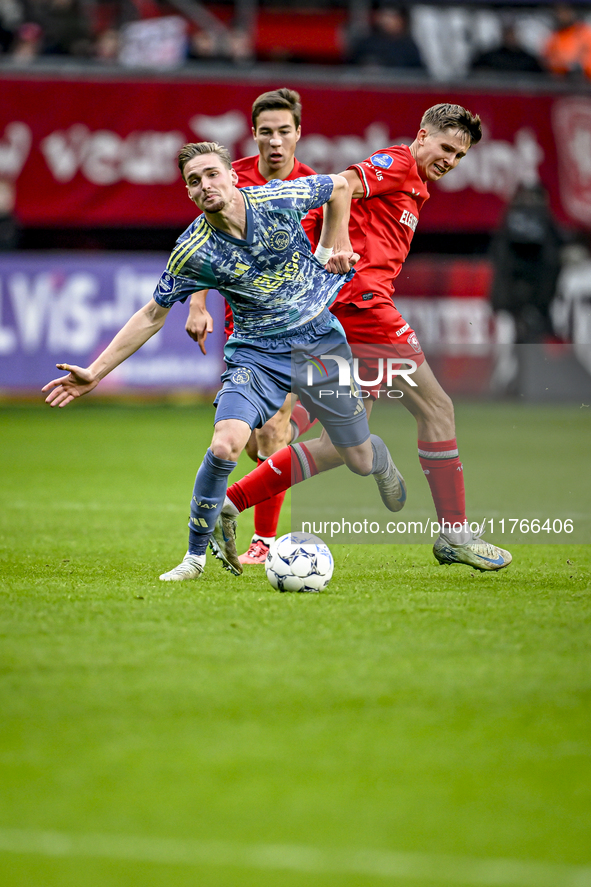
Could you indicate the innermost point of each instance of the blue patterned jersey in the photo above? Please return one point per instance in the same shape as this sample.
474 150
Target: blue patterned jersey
271 279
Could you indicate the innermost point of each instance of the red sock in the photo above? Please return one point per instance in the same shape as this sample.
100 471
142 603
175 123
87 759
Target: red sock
280 471
266 514
445 474
301 418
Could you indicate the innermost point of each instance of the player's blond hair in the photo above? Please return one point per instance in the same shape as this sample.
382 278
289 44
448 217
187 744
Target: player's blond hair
283 99
192 149
446 116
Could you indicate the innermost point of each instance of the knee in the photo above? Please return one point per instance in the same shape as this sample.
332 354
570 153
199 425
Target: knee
359 460
273 435
438 404
437 414
251 447
445 408
225 447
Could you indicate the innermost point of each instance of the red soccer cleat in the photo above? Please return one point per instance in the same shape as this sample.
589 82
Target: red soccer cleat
256 554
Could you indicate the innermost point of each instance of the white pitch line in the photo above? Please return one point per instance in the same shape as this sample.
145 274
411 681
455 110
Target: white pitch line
439 869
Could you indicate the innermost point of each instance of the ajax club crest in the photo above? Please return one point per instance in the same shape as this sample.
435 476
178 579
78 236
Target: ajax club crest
241 376
279 241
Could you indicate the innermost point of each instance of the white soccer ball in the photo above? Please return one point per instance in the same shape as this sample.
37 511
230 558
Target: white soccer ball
299 562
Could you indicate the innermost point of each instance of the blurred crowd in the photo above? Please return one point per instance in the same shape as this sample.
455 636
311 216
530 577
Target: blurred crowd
134 32
443 41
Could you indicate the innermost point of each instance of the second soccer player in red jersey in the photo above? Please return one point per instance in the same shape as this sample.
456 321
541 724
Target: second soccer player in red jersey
388 190
276 129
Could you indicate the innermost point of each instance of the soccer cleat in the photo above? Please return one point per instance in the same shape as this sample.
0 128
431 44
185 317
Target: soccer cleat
191 567
475 553
256 554
392 487
223 543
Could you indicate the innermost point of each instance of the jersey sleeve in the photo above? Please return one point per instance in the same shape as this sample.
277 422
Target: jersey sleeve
173 288
300 195
383 172
188 269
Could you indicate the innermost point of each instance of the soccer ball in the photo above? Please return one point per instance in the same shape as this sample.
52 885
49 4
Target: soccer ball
299 562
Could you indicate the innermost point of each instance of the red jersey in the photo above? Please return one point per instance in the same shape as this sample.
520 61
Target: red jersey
383 222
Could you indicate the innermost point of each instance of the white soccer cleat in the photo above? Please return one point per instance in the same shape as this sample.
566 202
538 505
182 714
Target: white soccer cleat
191 567
392 487
223 543
474 553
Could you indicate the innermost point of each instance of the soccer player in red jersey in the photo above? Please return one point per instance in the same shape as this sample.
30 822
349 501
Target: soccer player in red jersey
388 191
276 128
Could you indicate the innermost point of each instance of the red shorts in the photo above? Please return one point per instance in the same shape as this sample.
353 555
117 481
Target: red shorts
379 324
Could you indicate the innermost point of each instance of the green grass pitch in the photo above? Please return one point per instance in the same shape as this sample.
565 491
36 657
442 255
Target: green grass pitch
413 725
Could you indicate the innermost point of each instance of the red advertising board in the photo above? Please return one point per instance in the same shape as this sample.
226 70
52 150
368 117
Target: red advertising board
102 152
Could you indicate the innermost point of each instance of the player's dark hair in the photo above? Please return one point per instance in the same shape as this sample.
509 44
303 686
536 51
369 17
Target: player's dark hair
278 100
192 149
447 116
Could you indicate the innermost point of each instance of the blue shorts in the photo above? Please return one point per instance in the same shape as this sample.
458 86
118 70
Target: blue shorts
312 361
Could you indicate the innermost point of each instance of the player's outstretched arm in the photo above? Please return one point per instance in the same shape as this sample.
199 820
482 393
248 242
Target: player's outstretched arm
199 322
343 257
79 381
138 329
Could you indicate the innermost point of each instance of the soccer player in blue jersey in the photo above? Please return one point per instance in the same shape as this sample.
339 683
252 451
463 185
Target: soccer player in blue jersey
250 246
276 129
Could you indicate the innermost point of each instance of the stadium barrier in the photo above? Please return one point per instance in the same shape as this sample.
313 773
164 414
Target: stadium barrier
105 154
67 308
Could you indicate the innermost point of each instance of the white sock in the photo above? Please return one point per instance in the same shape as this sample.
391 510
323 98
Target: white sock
268 540
459 536
229 508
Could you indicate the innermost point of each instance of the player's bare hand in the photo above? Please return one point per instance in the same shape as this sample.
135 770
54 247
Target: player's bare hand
79 381
199 324
342 261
